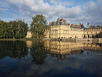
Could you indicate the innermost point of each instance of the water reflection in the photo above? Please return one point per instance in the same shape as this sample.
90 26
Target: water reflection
60 48
38 52
70 47
50 58
14 49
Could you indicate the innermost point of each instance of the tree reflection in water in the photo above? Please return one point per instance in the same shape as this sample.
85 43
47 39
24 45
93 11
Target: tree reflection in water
14 49
38 52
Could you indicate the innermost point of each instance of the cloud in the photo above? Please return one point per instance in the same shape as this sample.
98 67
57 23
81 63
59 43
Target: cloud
3 6
3 9
93 12
58 9
73 11
61 2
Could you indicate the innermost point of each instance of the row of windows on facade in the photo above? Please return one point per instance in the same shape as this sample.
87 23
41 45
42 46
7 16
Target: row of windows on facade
66 32
93 29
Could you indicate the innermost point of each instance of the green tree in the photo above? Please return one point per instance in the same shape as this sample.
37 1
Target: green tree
21 29
38 26
3 29
13 29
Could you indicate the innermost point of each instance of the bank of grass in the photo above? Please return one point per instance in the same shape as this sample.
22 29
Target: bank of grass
22 39
12 39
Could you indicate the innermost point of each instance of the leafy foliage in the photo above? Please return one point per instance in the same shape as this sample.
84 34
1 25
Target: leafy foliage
13 29
38 26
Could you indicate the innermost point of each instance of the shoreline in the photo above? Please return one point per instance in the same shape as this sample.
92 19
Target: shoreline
15 39
85 40
24 39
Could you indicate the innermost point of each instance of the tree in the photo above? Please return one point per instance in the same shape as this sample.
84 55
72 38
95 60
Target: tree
3 29
13 29
21 29
38 26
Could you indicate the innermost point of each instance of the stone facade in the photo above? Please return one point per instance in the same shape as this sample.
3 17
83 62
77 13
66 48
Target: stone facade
65 31
29 34
92 32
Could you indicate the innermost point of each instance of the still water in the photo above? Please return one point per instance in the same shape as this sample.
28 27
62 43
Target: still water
50 59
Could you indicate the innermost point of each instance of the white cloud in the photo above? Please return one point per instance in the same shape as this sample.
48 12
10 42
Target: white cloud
100 0
40 7
3 9
26 9
94 12
61 2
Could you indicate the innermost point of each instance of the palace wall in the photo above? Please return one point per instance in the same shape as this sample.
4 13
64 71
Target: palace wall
65 32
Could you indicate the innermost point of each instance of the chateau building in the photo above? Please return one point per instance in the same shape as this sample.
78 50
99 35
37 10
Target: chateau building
62 30
29 34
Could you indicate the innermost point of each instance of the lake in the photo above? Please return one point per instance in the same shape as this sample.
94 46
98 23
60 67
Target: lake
50 59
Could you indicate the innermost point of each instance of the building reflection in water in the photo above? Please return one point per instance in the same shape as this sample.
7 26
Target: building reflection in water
29 44
70 47
60 49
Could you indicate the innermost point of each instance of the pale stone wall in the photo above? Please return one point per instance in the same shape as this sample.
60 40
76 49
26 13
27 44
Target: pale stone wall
92 33
59 31
29 34
46 34
75 33
65 31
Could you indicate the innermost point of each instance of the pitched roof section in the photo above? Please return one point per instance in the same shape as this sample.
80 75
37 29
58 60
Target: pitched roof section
62 21
76 26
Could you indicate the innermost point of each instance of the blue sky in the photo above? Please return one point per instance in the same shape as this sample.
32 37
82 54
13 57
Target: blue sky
74 11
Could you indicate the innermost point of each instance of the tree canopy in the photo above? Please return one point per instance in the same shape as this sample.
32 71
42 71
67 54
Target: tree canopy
13 29
38 26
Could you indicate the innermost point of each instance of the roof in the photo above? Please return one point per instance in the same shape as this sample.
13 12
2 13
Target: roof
76 26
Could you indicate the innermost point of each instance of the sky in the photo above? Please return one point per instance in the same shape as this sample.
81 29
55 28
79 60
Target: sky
74 11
